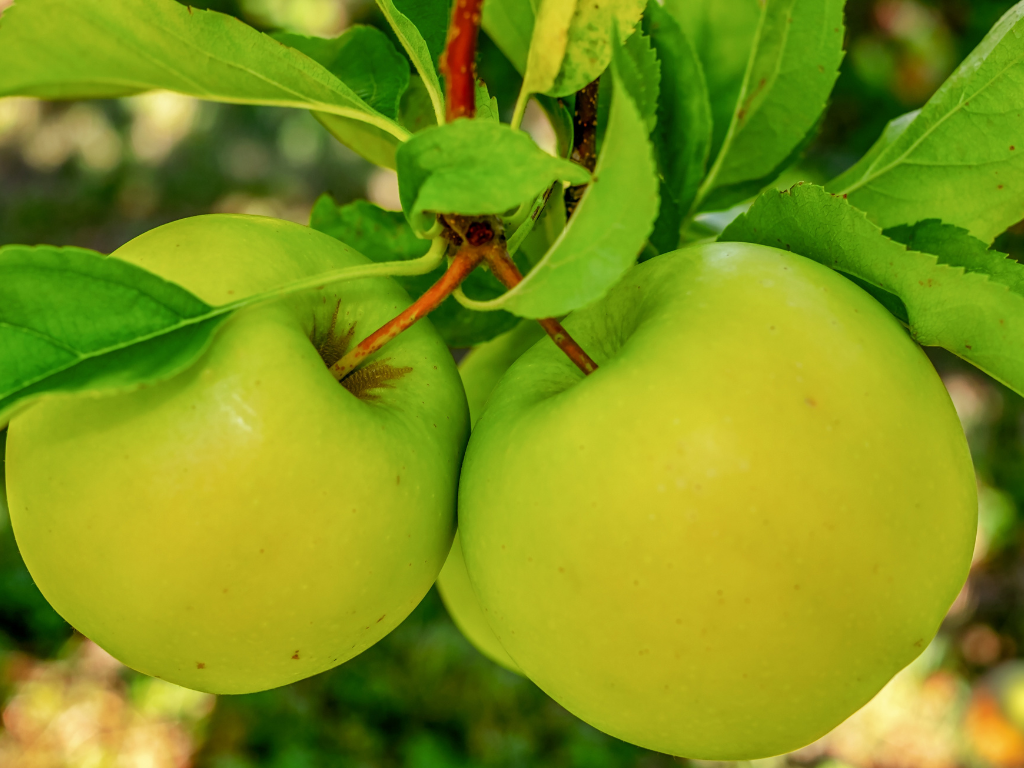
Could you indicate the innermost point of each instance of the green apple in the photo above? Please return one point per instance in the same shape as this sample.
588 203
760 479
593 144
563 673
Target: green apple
481 369
251 521
730 536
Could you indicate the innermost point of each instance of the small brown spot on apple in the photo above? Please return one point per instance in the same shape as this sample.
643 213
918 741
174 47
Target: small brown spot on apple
200 665
295 656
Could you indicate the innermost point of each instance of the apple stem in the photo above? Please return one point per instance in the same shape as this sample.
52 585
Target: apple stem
462 264
584 141
458 62
508 274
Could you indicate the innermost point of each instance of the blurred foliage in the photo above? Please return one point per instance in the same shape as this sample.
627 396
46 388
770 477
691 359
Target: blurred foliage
96 174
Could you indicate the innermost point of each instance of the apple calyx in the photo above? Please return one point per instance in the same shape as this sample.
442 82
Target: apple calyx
331 345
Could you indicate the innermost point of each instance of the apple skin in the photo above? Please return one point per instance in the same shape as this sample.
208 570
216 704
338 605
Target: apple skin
249 522
740 527
481 369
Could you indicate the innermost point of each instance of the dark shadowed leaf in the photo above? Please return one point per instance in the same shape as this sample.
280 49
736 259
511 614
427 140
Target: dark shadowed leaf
364 59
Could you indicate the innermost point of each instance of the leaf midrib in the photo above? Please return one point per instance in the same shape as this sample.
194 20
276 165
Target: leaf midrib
870 176
210 95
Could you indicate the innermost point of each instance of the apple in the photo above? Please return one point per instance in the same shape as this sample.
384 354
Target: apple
251 521
728 538
481 369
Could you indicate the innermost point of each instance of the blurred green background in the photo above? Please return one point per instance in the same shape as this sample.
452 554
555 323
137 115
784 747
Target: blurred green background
96 174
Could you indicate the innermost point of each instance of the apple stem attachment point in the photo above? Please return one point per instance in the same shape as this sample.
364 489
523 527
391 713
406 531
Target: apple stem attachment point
458 62
508 274
462 264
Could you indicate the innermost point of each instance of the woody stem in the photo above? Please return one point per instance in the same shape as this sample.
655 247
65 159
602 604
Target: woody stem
506 271
463 263
458 62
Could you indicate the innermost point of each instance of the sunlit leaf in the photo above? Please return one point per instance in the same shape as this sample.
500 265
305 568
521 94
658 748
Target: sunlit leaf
72 49
793 66
547 44
475 167
609 227
961 158
963 298
73 320
640 70
589 48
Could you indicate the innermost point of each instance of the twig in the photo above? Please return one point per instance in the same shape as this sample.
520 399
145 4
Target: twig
506 271
584 141
458 62
463 263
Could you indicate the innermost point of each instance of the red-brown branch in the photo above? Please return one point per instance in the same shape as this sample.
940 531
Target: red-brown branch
508 273
458 62
463 263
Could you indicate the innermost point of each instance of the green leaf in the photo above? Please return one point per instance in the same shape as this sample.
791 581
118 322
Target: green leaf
963 300
385 236
486 105
608 229
431 18
961 158
724 198
73 320
722 32
893 130
560 116
545 232
475 167
793 66
415 44
641 72
364 59
589 48
547 44
108 48
682 136
509 23
956 247
416 111
368 141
